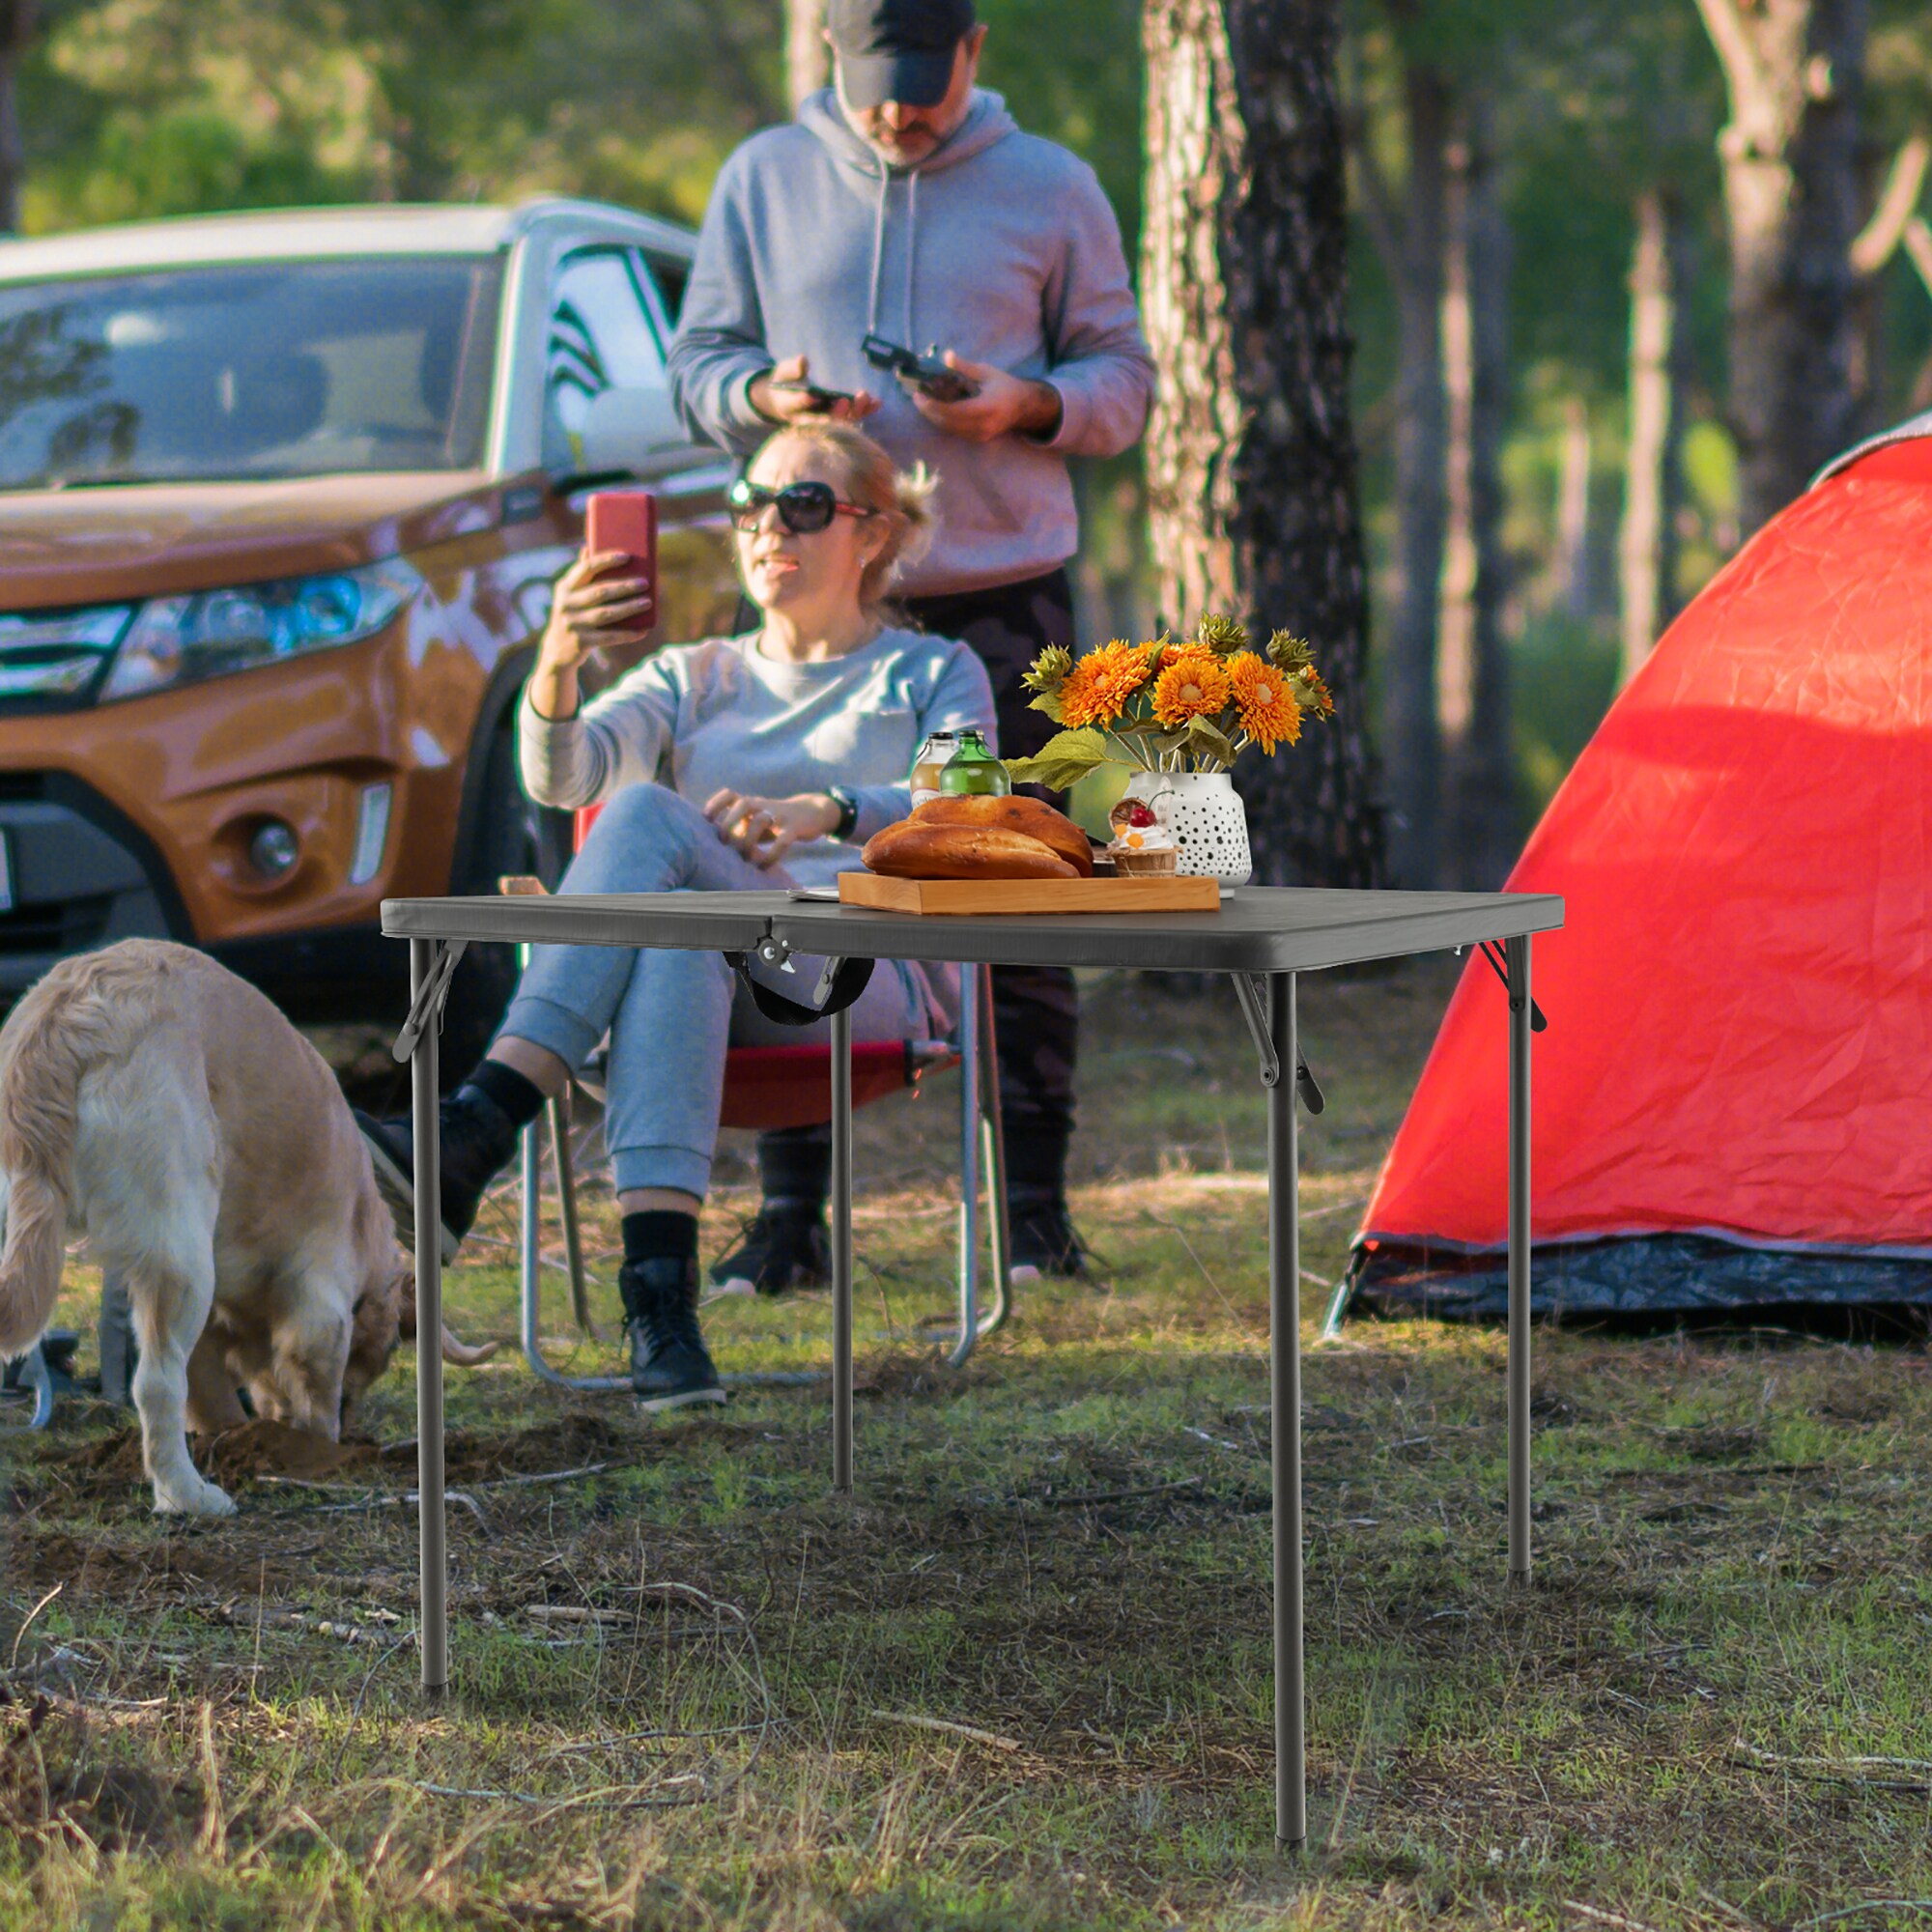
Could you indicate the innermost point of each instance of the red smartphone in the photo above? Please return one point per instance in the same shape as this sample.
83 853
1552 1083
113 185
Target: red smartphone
625 519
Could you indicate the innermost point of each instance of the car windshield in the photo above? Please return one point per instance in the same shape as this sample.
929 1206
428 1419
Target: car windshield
247 370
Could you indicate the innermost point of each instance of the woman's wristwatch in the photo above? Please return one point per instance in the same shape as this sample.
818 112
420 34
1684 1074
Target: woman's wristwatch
848 810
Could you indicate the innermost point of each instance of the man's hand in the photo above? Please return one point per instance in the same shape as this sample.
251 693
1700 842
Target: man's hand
790 405
1005 405
765 829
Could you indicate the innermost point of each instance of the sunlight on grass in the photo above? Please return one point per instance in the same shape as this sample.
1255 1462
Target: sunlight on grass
1022 1678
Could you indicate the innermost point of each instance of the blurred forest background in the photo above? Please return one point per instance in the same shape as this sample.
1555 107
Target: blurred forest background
1545 200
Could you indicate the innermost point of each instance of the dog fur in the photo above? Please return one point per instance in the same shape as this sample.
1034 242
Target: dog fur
165 1108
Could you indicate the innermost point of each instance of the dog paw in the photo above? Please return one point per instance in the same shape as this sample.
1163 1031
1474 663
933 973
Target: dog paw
203 1499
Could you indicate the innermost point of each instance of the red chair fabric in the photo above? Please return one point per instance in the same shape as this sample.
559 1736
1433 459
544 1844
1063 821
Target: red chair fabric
791 1085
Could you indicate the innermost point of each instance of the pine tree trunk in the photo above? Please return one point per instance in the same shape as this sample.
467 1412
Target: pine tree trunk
1412 747
1472 671
1251 458
1794 73
17 21
1574 588
807 59
1642 538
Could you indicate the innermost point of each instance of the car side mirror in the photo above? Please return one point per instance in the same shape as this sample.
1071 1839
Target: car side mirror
636 430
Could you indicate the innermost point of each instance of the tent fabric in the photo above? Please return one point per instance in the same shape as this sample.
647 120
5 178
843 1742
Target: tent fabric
1740 1006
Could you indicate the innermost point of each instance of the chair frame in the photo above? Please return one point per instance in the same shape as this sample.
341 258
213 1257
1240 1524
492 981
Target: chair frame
981 1149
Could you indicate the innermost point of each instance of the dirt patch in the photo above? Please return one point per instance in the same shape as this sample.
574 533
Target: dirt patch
255 1449
217 1554
896 1373
567 1441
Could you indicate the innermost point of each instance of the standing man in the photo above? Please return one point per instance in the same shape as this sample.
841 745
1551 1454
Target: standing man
907 204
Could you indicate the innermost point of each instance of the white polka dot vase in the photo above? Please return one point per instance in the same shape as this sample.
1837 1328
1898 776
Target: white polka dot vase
1210 823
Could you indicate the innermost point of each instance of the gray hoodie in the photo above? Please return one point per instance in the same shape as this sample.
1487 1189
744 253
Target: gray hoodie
1000 246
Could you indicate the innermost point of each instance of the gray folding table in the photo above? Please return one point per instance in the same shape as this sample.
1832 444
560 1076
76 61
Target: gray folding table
1261 937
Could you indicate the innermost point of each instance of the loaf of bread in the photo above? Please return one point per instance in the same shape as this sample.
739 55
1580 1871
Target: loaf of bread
1029 817
910 850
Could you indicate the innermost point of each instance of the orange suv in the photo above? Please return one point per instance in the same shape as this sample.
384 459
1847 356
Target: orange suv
281 500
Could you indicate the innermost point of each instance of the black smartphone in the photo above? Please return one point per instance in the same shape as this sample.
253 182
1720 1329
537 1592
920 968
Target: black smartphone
928 374
820 399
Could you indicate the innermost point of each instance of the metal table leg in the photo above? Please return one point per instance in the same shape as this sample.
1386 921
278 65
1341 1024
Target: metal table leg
1291 1771
841 1252
1522 1013
432 1529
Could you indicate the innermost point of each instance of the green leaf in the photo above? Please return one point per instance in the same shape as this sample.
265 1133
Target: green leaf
1203 735
1049 702
1063 761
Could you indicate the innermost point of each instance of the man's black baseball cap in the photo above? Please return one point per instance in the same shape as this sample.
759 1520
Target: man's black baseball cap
897 49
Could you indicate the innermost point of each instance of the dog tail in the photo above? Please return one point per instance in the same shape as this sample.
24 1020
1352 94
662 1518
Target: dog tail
39 1089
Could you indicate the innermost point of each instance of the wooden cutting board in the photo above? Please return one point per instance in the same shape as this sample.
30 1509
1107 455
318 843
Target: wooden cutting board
1174 893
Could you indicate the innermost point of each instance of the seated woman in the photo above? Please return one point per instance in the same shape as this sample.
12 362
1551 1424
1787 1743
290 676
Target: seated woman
740 762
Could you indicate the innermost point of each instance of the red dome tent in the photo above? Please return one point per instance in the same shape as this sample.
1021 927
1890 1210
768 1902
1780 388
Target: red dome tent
1733 1101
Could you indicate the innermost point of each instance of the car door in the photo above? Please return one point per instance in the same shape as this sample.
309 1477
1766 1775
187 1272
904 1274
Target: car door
610 330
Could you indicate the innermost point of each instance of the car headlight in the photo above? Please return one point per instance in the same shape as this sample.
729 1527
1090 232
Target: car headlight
210 633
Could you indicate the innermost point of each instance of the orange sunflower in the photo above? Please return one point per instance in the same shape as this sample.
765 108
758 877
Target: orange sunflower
1194 685
1269 714
1099 684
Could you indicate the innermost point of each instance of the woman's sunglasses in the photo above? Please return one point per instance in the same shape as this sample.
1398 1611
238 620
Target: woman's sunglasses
804 508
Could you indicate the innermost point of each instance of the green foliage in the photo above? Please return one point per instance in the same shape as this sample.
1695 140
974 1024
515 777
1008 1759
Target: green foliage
1564 675
1063 761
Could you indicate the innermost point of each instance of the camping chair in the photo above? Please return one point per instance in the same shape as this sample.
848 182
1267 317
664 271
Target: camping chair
791 1087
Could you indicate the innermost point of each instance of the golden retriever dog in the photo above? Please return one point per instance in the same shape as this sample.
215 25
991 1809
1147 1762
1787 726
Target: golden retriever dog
160 1106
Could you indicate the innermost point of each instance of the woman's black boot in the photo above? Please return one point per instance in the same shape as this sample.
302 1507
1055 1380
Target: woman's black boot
670 1365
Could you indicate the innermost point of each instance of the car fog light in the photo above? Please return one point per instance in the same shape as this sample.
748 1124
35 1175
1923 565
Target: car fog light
372 834
275 849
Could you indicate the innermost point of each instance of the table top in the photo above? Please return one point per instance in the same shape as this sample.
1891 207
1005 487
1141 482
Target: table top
1257 929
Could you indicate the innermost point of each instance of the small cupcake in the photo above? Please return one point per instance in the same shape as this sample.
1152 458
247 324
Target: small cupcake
1142 846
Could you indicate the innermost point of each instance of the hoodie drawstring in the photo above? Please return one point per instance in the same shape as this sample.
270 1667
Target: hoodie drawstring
912 252
879 252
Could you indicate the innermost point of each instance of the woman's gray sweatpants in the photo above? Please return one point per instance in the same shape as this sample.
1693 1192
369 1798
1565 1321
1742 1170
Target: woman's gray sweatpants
671 1015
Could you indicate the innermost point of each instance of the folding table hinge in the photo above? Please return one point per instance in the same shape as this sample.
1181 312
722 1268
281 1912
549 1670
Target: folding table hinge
431 996
1254 1010
1499 966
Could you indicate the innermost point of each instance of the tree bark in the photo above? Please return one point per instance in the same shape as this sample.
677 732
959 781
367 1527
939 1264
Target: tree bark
1251 457
1411 745
1643 539
1472 666
1575 591
19 19
1794 75
807 59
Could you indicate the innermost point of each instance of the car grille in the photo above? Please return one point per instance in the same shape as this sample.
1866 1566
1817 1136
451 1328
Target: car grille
71 925
55 660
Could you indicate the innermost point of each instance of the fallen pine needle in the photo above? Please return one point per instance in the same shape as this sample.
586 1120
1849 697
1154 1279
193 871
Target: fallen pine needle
945 1725
1611 1919
1871 1905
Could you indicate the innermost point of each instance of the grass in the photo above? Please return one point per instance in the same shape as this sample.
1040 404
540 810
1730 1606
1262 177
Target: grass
1022 1679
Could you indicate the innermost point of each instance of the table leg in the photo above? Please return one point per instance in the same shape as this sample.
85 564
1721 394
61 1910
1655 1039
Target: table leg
1291 1771
432 1527
1520 1013
841 1252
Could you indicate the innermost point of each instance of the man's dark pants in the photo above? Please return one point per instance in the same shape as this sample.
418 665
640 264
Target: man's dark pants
1035 1009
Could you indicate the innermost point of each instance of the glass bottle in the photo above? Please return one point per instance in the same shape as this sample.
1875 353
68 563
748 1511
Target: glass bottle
931 760
973 770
